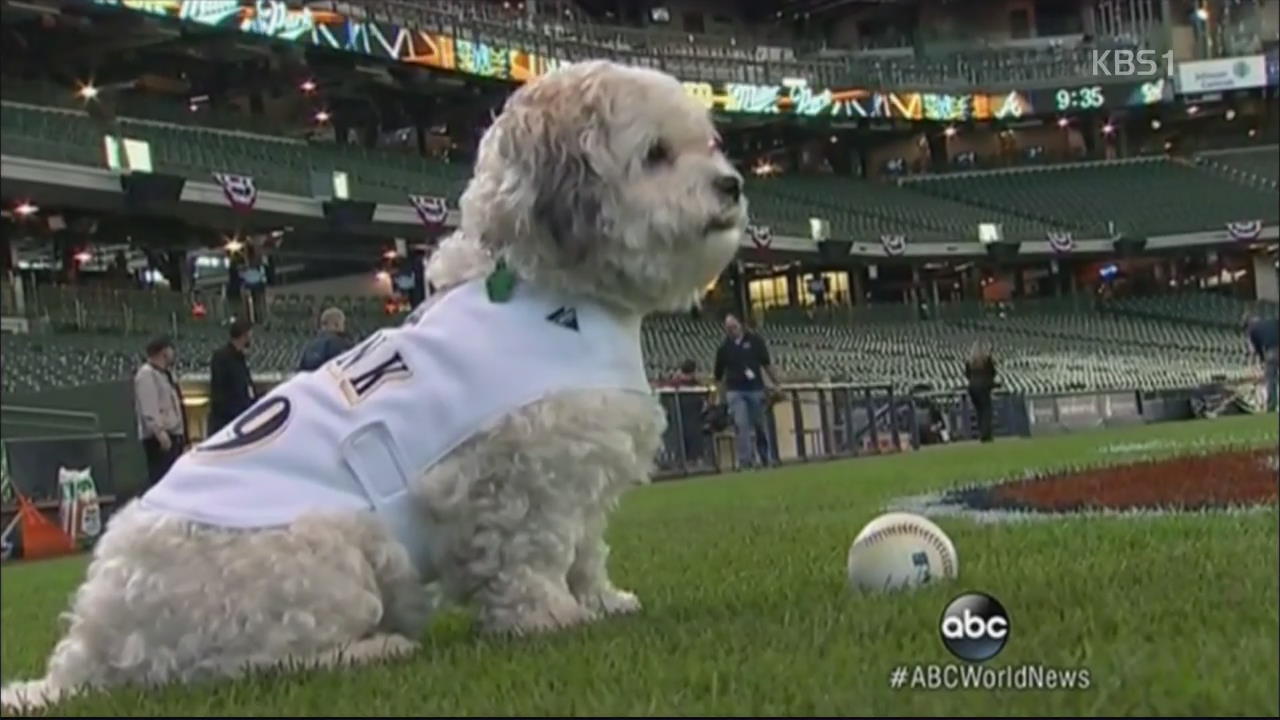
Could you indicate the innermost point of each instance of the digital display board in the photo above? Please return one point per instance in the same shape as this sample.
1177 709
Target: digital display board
801 99
275 19
1083 98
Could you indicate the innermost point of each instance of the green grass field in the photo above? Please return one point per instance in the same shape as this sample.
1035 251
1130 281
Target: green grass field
746 611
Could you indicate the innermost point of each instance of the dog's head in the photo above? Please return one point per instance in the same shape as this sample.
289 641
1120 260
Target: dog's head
607 181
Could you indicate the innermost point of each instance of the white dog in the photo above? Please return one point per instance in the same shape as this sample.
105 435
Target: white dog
480 445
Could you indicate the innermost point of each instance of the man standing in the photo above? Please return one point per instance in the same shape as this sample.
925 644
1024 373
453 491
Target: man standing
980 371
231 390
742 362
1264 337
158 407
330 343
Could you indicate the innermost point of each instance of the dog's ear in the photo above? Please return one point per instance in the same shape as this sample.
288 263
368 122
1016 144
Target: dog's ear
568 200
539 174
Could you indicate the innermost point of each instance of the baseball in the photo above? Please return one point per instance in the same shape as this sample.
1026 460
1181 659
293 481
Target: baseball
899 551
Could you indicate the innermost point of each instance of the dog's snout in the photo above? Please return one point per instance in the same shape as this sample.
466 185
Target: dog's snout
730 186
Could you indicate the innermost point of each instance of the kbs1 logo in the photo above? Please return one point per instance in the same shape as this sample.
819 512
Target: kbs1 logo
1131 63
975 627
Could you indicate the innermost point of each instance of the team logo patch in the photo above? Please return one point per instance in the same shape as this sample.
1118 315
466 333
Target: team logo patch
565 317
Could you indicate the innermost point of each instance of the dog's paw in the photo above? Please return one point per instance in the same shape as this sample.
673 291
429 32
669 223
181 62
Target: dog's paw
397 646
612 602
28 696
377 648
541 619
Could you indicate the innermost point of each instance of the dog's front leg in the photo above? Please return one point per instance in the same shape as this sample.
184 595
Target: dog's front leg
522 567
520 510
589 574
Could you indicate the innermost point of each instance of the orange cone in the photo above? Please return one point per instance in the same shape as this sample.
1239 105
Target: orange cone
41 537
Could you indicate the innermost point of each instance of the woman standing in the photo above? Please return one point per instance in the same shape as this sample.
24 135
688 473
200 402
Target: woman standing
981 372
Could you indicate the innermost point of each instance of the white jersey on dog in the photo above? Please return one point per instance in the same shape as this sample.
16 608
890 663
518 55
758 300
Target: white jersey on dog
351 435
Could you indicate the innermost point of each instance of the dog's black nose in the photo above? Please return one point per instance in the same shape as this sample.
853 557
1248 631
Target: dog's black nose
730 186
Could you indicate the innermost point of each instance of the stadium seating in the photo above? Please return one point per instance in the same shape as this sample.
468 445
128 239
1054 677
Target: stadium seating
1199 308
277 164
713 58
1142 197
861 210
1041 347
1256 166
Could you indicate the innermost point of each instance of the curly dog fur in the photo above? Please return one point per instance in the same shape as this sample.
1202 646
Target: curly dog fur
596 180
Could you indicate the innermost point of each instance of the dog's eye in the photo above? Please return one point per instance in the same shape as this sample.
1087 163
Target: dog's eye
659 153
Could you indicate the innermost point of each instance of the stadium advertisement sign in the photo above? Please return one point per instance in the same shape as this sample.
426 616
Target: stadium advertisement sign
1210 76
275 19
1079 98
801 99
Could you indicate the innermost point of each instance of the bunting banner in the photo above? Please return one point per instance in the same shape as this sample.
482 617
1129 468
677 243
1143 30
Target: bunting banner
432 210
761 236
1061 242
894 245
1245 230
240 190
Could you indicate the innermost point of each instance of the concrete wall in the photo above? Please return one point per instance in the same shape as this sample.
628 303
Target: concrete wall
965 22
112 402
1264 278
718 18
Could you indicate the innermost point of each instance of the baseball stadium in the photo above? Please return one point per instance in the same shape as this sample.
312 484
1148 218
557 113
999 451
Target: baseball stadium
691 290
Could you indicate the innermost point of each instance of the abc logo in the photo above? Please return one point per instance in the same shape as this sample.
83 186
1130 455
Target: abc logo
975 627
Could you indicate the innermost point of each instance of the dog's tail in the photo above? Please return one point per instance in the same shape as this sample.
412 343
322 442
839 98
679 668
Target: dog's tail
32 695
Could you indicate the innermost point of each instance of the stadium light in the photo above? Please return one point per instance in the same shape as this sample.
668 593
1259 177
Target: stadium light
87 91
1108 129
1063 122
234 246
83 256
26 209
307 86
389 255
1193 109
1156 124
1230 114
950 131
323 116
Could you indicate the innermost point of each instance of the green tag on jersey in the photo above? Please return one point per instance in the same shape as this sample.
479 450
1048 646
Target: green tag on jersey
501 283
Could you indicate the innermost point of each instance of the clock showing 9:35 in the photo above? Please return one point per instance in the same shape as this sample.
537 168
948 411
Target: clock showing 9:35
1090 97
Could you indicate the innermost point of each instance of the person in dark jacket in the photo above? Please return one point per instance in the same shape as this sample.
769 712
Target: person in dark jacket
1264 338
742 363
330 343
981 373
690 404
231 390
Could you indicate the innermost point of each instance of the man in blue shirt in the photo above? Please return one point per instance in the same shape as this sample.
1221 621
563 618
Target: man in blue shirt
1264 337
330 343
742 362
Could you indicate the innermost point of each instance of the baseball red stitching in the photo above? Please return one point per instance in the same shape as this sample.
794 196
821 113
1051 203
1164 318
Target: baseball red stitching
912 529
